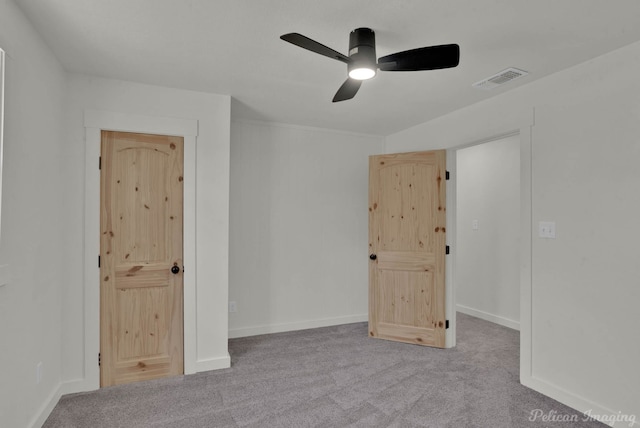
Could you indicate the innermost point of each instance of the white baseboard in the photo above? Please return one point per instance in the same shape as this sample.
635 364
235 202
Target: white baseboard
489 317
45 410
63 388
298 325
581 404
213 364
79 385
82 385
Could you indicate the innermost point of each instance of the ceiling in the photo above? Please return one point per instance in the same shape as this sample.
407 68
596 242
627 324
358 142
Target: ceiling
232 47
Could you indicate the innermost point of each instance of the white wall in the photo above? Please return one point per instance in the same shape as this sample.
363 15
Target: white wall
34 222
212 206
487 265
585 152
298 227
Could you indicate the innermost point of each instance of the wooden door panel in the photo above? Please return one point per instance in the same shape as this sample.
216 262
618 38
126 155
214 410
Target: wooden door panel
401 226
407 334
405 298
129 370
141 240
143 315
138 276
407 235
142 187
405 260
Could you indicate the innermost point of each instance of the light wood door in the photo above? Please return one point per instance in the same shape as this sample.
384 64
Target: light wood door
141 309
407 247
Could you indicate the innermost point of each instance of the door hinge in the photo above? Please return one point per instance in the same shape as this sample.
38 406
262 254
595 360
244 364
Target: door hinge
98 260
446 175
100 163
446 324
100 361
446 250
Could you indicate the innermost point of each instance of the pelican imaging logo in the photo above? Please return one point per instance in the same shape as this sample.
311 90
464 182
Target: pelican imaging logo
539 415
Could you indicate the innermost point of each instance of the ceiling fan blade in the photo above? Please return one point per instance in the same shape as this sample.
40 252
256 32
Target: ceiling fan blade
427 58
348 90
313 46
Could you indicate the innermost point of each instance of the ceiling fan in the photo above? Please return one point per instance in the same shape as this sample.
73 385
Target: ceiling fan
361 62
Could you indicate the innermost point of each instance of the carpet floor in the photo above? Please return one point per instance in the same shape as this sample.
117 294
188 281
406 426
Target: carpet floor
335 377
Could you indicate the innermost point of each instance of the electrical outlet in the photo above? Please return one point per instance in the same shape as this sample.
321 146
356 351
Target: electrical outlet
233 307
39 373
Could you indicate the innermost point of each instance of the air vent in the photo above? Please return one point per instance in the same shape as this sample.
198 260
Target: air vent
500 79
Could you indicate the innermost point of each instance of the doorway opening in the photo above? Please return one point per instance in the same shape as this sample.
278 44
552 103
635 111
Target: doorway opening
521 138
488 231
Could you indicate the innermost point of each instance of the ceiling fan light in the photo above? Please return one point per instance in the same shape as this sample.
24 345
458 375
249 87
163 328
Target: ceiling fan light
362 73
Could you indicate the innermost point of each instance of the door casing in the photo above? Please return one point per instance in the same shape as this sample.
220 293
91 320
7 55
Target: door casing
526 230
94 122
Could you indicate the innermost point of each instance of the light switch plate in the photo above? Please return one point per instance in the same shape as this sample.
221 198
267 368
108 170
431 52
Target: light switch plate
547 229
474 224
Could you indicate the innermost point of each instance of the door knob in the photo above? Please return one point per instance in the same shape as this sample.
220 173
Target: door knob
175 270
373 256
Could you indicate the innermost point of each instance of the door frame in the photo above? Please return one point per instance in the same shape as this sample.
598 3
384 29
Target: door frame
525 130
94 122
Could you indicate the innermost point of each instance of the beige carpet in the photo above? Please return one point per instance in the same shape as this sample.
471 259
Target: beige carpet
334 377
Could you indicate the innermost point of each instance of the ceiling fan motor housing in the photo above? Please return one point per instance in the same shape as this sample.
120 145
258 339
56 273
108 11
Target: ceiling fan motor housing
362 49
